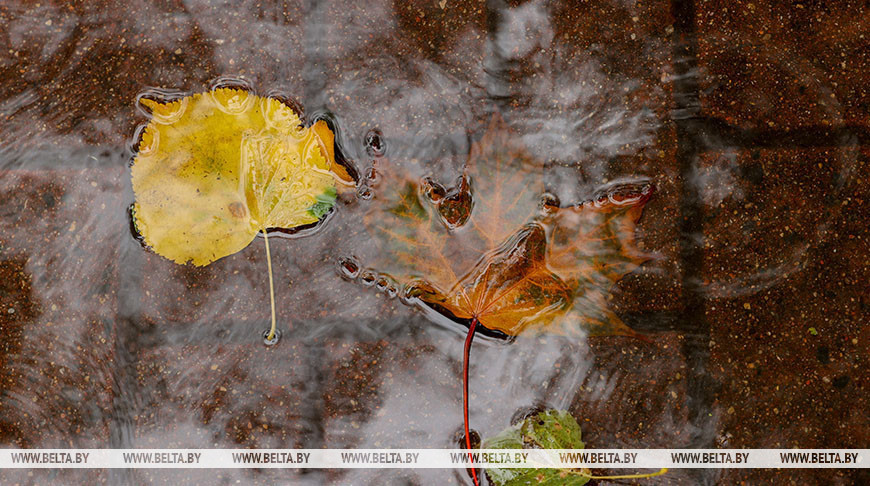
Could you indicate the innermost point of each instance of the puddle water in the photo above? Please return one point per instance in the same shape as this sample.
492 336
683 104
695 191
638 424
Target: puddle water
107 344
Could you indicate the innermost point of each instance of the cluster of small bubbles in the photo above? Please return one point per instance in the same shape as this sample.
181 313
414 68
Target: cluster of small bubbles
387 286
348 268
374 143
274 339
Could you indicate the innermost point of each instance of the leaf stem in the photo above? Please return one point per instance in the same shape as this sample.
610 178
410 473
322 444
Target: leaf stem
626 476
465 358
271 285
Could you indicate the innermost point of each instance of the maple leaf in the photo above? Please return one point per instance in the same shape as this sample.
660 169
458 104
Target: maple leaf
214 169
497 249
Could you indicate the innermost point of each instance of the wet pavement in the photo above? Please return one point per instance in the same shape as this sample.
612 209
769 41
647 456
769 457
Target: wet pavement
752 120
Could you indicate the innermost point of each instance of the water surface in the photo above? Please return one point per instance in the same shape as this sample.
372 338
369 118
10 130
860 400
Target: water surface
757 146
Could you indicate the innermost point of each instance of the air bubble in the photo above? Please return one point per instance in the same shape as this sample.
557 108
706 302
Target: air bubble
459 437
137 146
409 293
625 193
365 192
374 143
413 291
367 278
166 97
549 202
278 115
275 338
349 268
288 101
433 190
456 205
372 175
233 103
230 82
392 291
526 412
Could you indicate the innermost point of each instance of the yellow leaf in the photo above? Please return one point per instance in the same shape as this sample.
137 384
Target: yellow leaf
213 169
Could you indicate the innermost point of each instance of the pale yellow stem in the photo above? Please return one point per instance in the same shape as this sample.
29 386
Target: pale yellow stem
627 476
271 286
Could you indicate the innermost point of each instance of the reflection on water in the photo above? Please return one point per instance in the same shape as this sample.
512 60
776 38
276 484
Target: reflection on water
107 345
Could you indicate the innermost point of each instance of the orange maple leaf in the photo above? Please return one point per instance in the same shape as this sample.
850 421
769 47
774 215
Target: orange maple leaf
496 248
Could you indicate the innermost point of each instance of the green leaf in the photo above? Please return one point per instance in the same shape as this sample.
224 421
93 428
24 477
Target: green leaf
324 202
551 429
